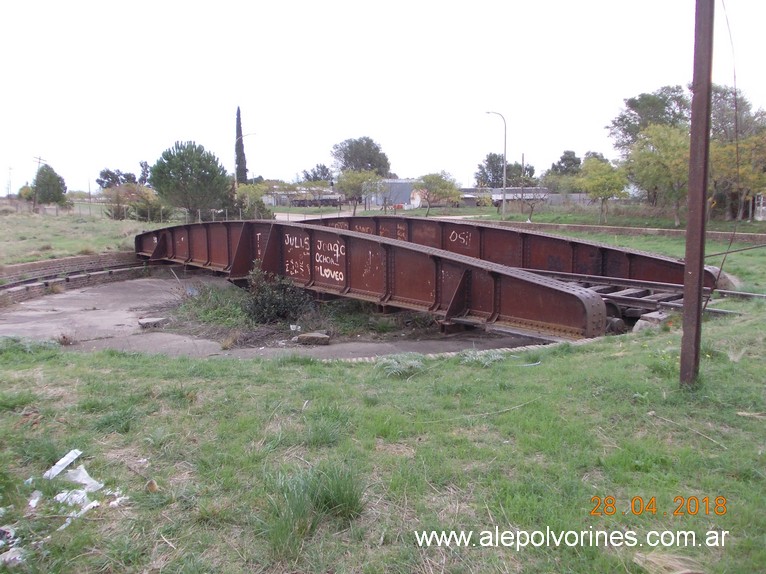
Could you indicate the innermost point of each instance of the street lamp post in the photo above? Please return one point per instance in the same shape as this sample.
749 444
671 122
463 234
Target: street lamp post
505 162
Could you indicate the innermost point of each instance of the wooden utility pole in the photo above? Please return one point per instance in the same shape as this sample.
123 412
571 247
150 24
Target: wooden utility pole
698 169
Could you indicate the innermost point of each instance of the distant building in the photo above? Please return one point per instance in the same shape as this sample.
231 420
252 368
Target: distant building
394 192
471 194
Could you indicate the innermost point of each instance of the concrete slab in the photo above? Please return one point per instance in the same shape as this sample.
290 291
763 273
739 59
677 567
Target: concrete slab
107 317
99 312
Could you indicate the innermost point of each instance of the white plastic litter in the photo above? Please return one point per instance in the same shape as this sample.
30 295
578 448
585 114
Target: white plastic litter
35 499
73 497
74 515
81 476
76 498
13 556
68 459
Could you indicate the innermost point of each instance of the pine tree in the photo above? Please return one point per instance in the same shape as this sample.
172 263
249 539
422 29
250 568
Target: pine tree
48 186
239 151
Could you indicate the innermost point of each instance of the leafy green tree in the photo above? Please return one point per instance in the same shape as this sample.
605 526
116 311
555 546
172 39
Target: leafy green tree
239 152
562 184
521 175
143 179
568 164
134 201
595 155
730 119
49 187
249 199
356 184
602 181
659 163
490 172
26 193
738 173
146 206
562 176
320 172
108 178
118 199
668 106
437 187
191 177
361 154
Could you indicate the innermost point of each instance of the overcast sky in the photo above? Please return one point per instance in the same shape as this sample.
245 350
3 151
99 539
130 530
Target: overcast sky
89 85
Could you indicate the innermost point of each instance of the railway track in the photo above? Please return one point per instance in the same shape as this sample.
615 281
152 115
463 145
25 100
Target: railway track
627 300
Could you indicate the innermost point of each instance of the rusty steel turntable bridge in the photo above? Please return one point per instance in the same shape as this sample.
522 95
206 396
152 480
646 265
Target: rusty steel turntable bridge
461 271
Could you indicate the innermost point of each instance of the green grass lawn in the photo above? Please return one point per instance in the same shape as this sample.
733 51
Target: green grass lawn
749 266
626 216
298 466
619 216
29 237
294 465
305 210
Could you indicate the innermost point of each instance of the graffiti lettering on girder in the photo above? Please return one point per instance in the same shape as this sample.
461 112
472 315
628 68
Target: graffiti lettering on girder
327 259
460 237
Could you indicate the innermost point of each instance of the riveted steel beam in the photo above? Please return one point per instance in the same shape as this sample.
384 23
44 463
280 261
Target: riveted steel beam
385 270
523 248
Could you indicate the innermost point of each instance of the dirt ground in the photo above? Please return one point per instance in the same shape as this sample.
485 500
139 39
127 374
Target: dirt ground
107 317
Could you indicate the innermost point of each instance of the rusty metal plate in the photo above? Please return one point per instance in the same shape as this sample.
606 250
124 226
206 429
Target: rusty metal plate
465 240
367 269
296 254
178 244
219 245
413 279
330 264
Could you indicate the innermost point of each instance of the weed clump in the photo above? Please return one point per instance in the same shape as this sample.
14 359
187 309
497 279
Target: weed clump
273 298
480 358
401 366
216 306
300 502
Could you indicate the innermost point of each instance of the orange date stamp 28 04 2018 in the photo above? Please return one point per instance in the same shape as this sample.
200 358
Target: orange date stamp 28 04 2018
638 505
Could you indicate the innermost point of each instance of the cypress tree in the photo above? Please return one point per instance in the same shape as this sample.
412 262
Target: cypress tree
239 151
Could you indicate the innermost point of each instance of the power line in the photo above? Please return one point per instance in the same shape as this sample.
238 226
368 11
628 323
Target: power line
40 161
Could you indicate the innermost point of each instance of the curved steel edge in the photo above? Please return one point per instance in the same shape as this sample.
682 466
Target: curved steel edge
527 249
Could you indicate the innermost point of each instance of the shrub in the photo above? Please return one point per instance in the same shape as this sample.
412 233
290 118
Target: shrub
273 298
484 201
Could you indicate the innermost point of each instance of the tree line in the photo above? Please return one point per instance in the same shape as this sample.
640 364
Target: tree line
651 135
